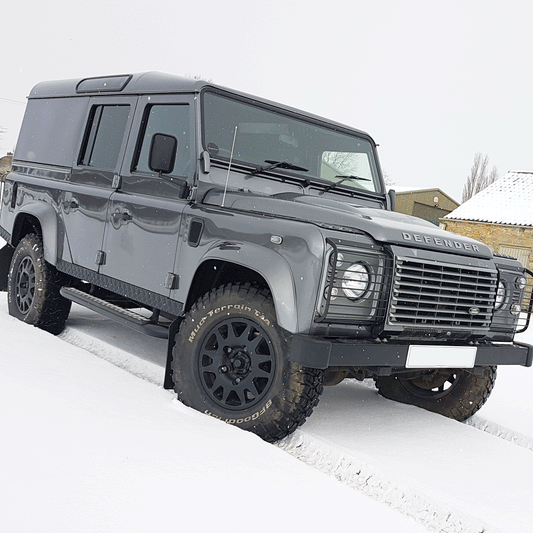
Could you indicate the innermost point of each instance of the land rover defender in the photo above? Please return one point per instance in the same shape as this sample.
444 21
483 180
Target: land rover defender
260 240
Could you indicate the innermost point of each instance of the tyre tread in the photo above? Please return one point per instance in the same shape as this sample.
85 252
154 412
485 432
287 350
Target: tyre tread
50 310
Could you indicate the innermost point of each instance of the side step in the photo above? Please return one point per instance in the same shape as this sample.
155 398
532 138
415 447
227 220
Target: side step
114 312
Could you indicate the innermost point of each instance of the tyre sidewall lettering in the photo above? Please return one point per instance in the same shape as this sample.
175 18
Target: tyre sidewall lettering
245 420
260 315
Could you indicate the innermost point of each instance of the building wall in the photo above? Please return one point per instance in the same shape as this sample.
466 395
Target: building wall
428 212
516 241
430 204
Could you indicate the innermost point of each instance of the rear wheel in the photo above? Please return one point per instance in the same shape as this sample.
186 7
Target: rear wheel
455 393
230 361
33 288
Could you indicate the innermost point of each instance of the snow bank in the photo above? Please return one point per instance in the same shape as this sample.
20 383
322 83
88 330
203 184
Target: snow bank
89 447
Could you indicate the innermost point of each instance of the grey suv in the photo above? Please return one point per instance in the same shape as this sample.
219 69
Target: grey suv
260 240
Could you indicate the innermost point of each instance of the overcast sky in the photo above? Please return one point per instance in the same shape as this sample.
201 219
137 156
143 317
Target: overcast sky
432 82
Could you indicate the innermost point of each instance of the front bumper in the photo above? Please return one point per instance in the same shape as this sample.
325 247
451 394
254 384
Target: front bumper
317 352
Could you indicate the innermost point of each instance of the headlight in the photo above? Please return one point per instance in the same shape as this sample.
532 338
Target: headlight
340 259
356 281
520 283
500 295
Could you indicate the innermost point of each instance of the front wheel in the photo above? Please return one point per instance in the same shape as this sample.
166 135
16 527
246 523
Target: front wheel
454 393
230 361
33 288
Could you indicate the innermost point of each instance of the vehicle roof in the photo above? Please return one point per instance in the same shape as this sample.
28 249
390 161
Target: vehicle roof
151 83
140 83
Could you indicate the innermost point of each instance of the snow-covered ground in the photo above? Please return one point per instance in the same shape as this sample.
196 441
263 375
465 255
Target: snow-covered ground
91 446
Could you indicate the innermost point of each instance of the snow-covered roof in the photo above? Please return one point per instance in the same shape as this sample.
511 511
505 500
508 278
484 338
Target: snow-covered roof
509 200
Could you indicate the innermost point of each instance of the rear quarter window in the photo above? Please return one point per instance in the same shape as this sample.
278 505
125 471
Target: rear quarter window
51 131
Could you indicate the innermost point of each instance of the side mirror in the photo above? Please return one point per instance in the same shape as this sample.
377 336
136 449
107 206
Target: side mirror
163 153
391 200
206 161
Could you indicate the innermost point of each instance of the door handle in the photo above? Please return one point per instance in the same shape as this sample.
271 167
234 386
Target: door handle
70 204
120 217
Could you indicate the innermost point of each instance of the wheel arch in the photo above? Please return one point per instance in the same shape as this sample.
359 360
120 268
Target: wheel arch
248 263
40 218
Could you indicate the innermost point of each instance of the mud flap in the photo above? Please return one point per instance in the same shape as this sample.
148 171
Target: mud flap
168 382
6 253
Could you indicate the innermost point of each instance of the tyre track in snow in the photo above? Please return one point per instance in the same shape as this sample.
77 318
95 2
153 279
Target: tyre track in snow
448 476
501 432
497 430
363 473
483 424
315 445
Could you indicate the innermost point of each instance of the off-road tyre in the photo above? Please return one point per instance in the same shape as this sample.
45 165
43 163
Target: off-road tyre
455 393
33 288
231 361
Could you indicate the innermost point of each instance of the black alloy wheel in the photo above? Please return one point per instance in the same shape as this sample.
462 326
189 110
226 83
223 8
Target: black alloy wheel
231 360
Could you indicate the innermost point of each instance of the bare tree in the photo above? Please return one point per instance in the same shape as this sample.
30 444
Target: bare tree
479 177
342 162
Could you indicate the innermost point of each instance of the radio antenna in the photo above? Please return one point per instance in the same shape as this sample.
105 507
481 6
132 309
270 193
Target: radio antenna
229 167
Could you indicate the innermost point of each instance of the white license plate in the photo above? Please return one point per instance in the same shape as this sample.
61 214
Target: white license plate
441 356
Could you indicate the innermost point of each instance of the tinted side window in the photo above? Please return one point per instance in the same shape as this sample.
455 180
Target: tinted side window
51 131
105 133
171 120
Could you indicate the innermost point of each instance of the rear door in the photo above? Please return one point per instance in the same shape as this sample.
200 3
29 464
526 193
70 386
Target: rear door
144 217
86 196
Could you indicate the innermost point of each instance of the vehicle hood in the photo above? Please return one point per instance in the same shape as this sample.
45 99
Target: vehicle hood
383 226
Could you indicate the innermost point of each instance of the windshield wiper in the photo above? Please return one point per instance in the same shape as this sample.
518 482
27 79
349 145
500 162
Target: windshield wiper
277 164
345 178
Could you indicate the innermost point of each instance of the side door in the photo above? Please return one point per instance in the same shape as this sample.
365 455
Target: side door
144 217
86 195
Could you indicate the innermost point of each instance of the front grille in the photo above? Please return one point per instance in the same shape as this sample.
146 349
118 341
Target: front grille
432 294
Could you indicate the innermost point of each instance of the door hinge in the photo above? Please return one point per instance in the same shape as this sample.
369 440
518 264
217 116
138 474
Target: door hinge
172 281
100 257
117 182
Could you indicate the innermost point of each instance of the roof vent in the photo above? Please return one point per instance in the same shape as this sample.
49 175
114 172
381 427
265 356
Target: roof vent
103 84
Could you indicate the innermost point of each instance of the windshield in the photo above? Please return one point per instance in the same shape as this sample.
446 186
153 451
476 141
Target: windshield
268 140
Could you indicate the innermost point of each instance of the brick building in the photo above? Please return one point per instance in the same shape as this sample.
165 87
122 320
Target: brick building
501 216
428 204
